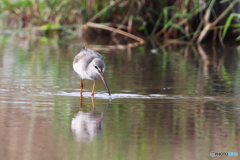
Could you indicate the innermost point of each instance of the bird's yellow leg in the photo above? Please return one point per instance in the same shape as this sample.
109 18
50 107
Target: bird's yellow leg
94 84
81 86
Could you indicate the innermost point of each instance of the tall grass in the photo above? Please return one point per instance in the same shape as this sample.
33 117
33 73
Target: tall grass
29 13
190 20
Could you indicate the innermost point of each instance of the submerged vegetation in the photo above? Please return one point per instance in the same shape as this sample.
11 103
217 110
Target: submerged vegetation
181 20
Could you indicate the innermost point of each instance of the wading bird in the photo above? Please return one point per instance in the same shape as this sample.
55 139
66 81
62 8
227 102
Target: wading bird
89 65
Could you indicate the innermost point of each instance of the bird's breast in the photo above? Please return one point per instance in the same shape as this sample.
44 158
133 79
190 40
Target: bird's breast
85 72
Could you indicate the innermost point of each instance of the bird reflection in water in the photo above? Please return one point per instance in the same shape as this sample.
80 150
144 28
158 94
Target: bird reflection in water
87 126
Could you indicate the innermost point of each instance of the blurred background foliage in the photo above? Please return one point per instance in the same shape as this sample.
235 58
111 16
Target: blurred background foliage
190 20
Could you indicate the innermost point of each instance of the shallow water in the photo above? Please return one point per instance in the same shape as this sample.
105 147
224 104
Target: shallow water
165 104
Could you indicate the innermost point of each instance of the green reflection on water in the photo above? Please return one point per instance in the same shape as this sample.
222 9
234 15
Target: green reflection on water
134 128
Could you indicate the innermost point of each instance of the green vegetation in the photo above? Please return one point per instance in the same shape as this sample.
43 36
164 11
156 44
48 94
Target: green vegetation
182 20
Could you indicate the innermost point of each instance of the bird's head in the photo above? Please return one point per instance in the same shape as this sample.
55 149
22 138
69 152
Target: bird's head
98 65
99 68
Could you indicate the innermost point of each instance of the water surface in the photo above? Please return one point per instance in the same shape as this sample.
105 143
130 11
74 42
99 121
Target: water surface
166 104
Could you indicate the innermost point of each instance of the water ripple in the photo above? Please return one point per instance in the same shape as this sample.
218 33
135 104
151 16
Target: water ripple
126 95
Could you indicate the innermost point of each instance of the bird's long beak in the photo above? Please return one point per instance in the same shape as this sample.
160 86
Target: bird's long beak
105 83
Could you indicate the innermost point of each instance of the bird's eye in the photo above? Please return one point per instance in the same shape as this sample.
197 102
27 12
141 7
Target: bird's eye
98 69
